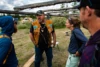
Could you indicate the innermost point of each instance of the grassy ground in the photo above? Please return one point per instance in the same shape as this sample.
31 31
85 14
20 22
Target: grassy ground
23 46
25 49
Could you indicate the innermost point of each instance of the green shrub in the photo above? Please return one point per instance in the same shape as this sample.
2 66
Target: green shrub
59 22
24 26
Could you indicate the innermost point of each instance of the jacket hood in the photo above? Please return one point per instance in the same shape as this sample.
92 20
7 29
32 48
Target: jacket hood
7 25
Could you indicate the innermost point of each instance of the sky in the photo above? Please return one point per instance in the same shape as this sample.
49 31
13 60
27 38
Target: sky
10 4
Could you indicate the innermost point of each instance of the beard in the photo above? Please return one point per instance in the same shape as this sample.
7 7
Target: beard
40 20
15 30
84 24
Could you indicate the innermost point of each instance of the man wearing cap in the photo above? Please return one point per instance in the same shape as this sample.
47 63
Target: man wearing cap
7 52
42 33
90 18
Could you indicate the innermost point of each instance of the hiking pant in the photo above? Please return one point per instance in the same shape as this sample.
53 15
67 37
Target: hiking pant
72 61
38 56
5 45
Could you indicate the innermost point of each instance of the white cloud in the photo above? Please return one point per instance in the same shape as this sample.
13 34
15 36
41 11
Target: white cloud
10 4
18 3
1 2
5 5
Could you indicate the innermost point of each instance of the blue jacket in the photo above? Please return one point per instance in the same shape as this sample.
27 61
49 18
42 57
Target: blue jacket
7 26
77 38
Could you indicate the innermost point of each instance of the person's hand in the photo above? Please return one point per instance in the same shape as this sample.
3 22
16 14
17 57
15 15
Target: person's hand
53 44
77 54
34 42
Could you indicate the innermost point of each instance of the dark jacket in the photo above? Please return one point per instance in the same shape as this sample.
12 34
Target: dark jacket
77 41
91 53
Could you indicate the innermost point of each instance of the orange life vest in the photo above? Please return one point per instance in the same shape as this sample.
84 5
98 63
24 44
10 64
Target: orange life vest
36 27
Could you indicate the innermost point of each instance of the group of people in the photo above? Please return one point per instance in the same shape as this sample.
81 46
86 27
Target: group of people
83 52
88 54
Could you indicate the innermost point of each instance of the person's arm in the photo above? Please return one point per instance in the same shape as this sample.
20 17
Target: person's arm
81 37
54 37
31 35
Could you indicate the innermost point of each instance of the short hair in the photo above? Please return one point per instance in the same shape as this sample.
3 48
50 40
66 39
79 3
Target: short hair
75 21
97 12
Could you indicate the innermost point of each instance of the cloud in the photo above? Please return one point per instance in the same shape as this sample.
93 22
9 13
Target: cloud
10 4
9 1
5 5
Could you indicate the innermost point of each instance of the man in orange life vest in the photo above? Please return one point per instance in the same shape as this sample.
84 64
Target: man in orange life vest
42 33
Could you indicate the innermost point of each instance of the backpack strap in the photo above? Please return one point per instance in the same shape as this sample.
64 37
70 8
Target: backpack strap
7 54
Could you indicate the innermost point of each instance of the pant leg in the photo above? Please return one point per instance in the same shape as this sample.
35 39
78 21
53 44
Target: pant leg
49 55
68 61
72 61
4 48
12 59
38 56
75 61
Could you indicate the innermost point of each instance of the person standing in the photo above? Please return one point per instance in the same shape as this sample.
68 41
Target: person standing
42 33
77 42
90 18
7 52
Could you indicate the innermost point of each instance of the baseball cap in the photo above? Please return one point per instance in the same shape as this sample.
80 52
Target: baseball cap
39 12
95 4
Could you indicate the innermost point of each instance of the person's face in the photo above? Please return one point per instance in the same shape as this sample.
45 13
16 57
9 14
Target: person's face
84 17
68 25
15 27
41 18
